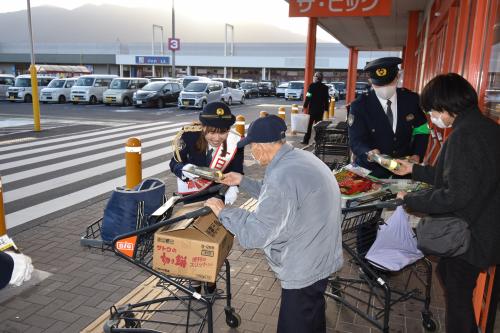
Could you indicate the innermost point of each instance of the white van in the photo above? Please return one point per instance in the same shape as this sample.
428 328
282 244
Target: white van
21 91
295 90
89 88
6 81
188 79
199 93
231 91
122 90
58 90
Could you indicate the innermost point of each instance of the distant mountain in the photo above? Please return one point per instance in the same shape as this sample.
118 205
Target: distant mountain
107 23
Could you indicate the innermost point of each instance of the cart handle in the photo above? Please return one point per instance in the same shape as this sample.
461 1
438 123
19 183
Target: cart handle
193 214
390 204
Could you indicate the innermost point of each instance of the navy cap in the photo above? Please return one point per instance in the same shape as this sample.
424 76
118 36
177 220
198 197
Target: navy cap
383 70
217 114
264 130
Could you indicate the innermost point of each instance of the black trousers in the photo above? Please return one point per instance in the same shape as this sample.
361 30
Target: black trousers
458 278
303 310
313 118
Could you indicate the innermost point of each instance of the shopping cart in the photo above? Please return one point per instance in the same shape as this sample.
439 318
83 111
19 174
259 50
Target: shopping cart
374 291
180 304
332 144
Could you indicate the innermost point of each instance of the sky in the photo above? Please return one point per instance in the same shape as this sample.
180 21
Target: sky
273 12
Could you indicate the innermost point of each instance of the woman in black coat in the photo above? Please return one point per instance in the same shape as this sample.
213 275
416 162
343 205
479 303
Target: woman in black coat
466 183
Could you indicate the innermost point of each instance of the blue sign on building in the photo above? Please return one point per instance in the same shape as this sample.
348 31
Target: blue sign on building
152 60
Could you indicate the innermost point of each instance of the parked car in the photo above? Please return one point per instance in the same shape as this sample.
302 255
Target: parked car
341 87
186 80
58 90
231 91
6 81
89 88
198 93
280 90
157 94
165 78
251 89
362 88
21 91
266 89
332 92
295 90
121 90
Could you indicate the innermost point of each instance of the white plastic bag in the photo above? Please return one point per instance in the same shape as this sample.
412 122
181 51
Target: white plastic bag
395 246
300 122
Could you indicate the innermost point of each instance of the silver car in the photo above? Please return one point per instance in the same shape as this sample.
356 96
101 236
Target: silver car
122 90
197 94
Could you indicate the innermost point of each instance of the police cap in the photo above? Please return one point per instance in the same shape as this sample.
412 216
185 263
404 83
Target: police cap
383 70
217 114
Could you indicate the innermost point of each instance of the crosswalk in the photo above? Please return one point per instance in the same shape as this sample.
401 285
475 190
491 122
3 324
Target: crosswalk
49 175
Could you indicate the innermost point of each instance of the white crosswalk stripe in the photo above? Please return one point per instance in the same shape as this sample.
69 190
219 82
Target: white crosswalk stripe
53 174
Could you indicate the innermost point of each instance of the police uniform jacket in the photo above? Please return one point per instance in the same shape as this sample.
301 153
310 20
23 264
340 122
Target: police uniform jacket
317 99
190 155
369 129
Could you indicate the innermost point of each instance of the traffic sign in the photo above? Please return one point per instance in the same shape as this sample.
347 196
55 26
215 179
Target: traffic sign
174 44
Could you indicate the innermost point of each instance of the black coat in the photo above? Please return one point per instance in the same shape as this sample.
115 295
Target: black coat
369 129
317 100
466 183
190 155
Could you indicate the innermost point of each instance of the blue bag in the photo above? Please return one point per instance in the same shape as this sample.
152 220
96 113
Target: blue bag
120 214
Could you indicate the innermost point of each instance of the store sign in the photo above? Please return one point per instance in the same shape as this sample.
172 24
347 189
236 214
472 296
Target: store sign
152 60
174 44
326 8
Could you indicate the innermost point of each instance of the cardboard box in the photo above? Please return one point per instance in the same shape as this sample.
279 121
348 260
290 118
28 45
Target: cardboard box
193 249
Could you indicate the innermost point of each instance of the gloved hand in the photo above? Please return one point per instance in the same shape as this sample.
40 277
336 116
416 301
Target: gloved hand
22 268
231 195
186 174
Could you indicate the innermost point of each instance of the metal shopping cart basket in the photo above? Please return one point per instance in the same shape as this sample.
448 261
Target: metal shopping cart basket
372 291
180 304
332 144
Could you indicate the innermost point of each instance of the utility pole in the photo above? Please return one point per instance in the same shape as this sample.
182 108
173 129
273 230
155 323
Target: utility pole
173 36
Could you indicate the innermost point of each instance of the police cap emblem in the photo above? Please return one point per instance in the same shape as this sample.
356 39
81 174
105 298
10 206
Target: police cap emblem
220 112
381 72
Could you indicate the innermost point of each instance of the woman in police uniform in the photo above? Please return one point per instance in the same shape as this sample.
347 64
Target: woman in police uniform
209 143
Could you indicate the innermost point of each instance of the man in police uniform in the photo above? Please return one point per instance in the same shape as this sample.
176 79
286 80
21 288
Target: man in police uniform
386 120
317 100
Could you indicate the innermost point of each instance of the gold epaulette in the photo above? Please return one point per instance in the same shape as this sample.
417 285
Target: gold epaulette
192 128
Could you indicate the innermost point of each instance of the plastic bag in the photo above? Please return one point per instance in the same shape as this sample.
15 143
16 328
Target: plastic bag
300 122
395 246
120 214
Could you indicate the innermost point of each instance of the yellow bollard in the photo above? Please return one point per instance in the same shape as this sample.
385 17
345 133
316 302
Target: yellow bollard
263 114
3 227
325 115
295 108
133 162
331 109
282 113
35 99
240 125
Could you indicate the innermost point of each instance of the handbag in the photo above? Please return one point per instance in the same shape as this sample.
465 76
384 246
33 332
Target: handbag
444 236
120 214
300 122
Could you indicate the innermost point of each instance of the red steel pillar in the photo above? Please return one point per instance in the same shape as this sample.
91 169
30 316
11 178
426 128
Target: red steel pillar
352 72
310 54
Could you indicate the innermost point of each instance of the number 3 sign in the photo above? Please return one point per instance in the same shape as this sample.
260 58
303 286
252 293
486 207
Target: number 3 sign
174 44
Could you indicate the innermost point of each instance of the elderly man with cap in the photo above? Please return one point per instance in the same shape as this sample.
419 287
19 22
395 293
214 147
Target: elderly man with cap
209 143
386 120
317 101
296 222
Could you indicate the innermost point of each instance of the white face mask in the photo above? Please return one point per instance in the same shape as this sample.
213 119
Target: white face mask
439 122
385 92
